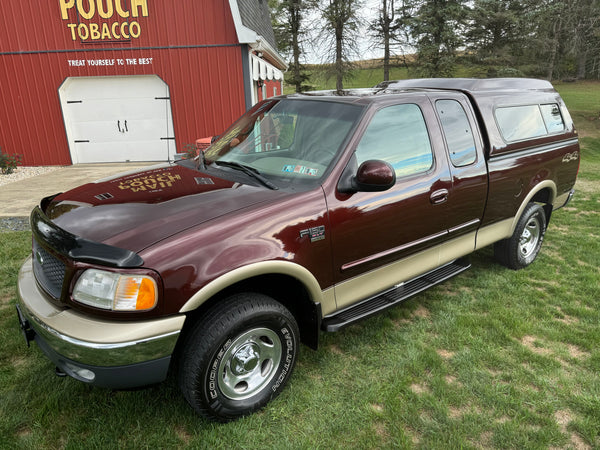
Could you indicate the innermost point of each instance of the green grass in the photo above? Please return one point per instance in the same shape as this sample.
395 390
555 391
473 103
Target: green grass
492 358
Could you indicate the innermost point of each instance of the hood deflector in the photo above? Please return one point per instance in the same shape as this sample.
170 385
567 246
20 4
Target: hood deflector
77 248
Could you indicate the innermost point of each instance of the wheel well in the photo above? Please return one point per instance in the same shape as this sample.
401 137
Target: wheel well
285 289
544 197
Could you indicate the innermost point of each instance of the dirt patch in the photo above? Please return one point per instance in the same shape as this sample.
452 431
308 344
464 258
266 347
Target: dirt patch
381 431
24 432
566 319
413 435
563 418
446 354
456 413
183 435
451 380
576 352
18 362
485 440
5 298
530 341
589 187
401 322
421 312
335 349
420 388
377 408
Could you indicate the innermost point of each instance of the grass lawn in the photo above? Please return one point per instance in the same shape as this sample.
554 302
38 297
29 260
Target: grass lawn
492 358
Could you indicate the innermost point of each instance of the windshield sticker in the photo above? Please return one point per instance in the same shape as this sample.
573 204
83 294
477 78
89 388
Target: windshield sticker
290 168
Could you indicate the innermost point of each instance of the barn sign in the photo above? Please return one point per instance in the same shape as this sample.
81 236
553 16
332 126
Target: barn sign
103 20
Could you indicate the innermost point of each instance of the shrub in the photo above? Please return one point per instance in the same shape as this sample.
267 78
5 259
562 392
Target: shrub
189 151
8 163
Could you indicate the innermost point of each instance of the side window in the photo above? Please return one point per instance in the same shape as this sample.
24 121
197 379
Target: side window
458 132
552 118
398 135
520 122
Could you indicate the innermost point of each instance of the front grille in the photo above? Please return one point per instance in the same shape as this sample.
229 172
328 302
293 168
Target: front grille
49 271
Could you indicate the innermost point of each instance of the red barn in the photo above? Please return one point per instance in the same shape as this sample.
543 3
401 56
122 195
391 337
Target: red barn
86 81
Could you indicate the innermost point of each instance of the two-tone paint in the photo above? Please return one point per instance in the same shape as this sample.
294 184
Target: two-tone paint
317 250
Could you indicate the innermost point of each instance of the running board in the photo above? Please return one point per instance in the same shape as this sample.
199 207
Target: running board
393 296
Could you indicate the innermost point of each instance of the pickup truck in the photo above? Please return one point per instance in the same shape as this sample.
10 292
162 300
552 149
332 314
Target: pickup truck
311 212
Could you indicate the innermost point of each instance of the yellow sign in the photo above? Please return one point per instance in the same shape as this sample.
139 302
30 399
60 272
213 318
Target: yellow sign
151 182
118 25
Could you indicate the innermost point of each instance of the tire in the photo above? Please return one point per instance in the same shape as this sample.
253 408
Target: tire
523 246
238 357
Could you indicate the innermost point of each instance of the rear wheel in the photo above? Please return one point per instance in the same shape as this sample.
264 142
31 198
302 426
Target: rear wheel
238 357
523 246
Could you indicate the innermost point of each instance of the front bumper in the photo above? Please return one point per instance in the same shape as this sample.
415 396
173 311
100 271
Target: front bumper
96 351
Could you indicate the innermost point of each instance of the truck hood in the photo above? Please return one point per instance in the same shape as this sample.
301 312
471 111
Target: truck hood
136 210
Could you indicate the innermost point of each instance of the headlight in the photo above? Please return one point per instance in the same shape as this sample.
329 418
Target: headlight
116 291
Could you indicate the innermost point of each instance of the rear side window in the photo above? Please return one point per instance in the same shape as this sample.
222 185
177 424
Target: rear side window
398 135
458 132
518 123
552 118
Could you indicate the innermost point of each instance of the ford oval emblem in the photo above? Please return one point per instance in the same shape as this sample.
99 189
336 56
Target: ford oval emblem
39 258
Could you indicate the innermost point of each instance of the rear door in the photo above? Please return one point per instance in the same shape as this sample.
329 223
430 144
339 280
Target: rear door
464 149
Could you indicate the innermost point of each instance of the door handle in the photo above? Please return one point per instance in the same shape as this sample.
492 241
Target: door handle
124 130
439 196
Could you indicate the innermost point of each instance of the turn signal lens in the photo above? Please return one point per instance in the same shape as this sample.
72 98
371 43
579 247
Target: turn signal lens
135 293
119 292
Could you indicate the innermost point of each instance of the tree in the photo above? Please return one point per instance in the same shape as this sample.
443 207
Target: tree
436 29
567 34
341 23
384 30
496 29
287 17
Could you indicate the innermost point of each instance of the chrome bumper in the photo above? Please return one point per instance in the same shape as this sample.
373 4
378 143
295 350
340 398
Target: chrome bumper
119 354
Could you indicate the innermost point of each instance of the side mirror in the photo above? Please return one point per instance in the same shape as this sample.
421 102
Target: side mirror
372 176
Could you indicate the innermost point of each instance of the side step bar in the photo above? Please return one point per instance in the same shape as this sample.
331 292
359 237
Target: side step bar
393 296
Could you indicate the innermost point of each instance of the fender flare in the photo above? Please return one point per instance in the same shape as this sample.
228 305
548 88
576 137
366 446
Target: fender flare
546 184
291 269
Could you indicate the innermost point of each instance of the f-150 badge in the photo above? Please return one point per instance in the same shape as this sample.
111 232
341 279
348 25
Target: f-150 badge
314 233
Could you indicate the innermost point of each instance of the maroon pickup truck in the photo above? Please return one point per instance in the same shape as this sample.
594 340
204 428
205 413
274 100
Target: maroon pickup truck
310 213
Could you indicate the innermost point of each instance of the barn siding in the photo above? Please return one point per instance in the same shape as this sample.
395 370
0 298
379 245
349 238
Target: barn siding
191 45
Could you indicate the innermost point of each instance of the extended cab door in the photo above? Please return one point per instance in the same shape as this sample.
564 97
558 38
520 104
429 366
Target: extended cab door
373 230
468 168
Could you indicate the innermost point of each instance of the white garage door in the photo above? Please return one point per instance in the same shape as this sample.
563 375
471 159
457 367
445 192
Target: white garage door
112 119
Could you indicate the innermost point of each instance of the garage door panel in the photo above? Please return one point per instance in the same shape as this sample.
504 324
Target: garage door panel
116 88
101 152
119 131
107 110
118 119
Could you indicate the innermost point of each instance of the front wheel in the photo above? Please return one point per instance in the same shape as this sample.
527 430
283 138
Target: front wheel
523 246
238 357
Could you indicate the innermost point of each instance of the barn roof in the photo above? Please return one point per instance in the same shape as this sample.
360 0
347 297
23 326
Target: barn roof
252 20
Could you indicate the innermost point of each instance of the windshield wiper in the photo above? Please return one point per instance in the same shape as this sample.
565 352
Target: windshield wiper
251 171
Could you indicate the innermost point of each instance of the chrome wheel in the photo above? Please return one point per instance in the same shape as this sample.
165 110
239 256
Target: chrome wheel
249 364
528 241
238 356
522 248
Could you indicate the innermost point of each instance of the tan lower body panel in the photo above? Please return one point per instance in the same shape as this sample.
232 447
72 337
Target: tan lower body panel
379 280
494 233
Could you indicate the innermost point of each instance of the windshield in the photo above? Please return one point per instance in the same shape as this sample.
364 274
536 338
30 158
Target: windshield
286 140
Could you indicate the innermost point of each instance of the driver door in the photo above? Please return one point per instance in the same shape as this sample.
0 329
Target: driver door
373 230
